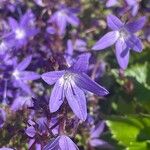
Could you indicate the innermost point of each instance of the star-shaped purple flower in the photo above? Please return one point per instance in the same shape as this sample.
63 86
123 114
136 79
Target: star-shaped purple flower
64 16
123 37
72 83
23 30
95 133
20 77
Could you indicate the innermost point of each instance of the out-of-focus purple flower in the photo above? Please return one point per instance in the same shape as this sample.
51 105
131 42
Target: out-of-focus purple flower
21 102
95 133
20 77
133 5
5 148
111 3
2 117
35 145
24 29
39 2
72 83
78 45
123 37
62 142
64 16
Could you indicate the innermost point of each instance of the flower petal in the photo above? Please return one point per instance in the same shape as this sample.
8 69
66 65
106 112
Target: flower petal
30 131
53 144
13 23
24 64
84 82
82 63
111 3
73 20
76 100
114 23
28 75
135 43
97 131
65 143
57 97
136 25
107 40
52 77
122 54
97 143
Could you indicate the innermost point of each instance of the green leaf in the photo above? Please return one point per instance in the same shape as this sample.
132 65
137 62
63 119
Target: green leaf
131 131
141 73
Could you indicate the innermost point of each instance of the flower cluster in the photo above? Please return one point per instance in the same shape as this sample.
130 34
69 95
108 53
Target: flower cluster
50 71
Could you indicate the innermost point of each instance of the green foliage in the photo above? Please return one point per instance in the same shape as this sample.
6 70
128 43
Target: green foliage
131 131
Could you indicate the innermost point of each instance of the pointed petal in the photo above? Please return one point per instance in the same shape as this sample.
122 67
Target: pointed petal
57 96
122 54
52 77
114 23
97 143
24 64
82 63
24 86
107 40
65 143
28 75
30 131
69 47
73 20
97 131
13 23
52 144
136 25
135 9
76 100
84 82
135 43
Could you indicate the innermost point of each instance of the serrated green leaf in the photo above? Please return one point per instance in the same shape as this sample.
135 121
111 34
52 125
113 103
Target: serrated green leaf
131 131
140 72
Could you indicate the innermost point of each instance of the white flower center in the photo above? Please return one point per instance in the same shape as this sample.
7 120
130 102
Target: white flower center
20 33
66 79
16 74
3 46
123 34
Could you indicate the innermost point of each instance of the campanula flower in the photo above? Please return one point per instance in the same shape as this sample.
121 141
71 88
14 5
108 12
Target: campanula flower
123 37
20 76
64 16
95 133
22 30
72 83
133 6
62 142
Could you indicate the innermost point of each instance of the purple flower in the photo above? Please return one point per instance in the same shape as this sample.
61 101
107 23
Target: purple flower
96 132
62 142
72 83
21 77
23 30
123 37
21 102
133 5
5 148
64 16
